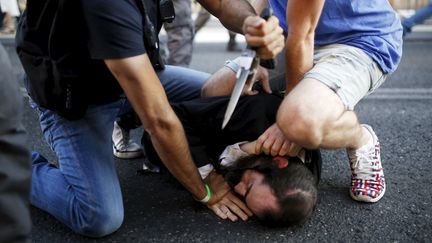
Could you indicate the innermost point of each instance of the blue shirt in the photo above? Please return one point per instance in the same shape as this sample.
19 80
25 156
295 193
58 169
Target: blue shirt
371 25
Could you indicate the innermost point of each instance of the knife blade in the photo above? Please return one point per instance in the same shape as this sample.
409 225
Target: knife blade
235 95
248 62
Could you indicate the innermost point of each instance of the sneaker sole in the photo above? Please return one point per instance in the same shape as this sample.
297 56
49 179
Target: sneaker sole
127 155
362 198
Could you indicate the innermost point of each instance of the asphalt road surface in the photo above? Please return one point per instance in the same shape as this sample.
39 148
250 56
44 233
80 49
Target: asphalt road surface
158 209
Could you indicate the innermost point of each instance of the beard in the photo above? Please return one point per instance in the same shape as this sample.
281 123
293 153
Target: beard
234 173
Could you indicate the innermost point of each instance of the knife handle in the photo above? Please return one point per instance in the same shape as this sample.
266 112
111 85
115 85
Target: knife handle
267 63
266 13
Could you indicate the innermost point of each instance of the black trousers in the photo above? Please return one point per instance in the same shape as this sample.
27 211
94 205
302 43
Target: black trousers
15 165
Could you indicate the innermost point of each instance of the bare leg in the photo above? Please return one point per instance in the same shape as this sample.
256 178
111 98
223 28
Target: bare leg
313 116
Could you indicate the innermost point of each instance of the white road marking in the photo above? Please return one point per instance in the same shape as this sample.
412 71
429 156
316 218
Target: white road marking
402 94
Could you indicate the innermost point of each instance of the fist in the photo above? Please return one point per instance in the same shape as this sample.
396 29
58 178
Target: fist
266 36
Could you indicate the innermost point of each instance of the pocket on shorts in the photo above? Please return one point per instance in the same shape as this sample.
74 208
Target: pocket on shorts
377 83
377 77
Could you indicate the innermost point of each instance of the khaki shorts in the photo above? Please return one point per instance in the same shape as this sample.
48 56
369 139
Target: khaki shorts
348 71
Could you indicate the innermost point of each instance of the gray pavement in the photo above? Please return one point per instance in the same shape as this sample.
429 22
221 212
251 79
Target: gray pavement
158 209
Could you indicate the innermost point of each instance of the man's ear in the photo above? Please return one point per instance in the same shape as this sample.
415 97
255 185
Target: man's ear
282 162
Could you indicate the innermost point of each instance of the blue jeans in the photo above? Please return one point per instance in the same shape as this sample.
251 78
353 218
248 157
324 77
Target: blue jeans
83 192
419 17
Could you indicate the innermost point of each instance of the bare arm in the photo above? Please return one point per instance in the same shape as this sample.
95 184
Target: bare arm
302 19
222 82
227 11
249 147
147 96
239 16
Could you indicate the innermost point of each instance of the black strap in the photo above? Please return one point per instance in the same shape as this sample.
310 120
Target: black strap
54 27
150 36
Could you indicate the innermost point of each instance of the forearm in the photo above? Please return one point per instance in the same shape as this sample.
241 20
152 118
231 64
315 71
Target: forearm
171 146
149 101
302 19
169 141
248 147
231 13
234 152
221 83
299 60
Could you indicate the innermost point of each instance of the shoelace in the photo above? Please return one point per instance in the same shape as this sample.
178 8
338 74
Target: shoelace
363 169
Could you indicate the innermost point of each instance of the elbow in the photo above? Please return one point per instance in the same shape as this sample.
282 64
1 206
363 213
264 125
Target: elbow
301 37
158 124
303 34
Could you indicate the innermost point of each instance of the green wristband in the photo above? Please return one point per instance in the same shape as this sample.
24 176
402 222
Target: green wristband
206 199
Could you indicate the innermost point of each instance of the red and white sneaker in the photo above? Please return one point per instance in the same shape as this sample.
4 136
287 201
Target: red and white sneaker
367 180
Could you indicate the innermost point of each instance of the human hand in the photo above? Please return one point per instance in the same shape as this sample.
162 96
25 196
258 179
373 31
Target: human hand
262 76
248 147
228 205
274 142
231 207
266 36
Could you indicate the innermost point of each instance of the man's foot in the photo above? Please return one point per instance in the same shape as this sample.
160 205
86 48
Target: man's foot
367 180
123 146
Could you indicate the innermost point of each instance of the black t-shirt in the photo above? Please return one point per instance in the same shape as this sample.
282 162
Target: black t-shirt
110 29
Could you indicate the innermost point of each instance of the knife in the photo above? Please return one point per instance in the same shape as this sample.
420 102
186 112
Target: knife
248 63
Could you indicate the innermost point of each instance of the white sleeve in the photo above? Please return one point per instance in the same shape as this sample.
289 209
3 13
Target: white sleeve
228 156
205 170
231 154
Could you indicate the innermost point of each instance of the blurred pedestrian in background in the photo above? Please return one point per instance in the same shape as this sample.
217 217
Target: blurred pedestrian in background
203 17
419 17
11 11
177 48
15 223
